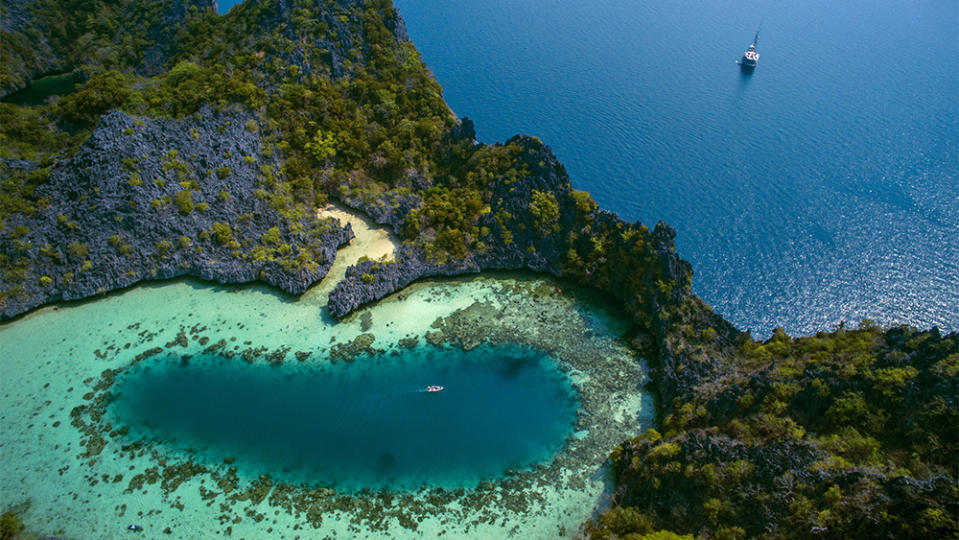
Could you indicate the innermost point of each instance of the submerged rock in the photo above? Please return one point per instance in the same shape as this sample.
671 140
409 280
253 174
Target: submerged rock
346 351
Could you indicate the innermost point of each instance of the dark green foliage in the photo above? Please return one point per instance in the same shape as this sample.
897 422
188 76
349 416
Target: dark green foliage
584 202
383 114
619 522
104 91
164 247
17 189
31 132
10 526
222 232
545 210
450 218
849 433
846 434
188 86
78 250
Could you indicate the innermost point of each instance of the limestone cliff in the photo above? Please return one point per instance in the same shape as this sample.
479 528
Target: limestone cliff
156 198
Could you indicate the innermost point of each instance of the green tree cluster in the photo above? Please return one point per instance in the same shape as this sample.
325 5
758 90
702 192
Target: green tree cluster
841 434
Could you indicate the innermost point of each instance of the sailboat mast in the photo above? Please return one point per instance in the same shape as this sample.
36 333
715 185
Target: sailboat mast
751 56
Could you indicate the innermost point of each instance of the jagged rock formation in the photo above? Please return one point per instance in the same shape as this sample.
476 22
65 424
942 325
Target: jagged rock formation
843 434
337 104
531 247
156 198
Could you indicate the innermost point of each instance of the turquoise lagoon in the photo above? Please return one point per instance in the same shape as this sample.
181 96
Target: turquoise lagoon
367 423
205 409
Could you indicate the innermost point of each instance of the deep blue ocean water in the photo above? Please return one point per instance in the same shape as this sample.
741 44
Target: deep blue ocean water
821 188
362 424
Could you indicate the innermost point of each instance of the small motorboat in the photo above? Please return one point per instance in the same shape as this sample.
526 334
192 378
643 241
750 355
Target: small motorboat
433 388
134 528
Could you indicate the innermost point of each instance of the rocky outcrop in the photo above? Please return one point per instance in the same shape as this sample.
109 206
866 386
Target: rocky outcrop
371 280
157 198
343 41
684 365
774 468
151 199
532 247
772 487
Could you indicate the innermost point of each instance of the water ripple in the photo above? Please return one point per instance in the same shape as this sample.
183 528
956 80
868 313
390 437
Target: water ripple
821 188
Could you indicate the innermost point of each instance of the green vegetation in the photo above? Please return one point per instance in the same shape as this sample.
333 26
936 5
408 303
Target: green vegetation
78 250
104 91
184 201
17 193
164 247
546 211
222 233
844 434
361 130
840 433
31 133
359 125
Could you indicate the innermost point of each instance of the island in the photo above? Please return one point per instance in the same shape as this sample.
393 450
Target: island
150 139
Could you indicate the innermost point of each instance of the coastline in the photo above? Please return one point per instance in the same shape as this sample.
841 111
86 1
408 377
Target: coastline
461 208
543 500
370 241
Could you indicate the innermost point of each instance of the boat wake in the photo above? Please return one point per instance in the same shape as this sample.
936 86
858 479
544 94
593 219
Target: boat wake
408 390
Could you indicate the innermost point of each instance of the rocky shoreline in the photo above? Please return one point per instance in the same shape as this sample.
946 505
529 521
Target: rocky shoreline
529 249
223 140
677 371
352 114
127 208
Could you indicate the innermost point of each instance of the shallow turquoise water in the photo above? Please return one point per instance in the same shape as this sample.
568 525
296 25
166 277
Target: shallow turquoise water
65 453
364 424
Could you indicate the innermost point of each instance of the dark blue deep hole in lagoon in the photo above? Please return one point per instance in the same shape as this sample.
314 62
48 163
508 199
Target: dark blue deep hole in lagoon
365 424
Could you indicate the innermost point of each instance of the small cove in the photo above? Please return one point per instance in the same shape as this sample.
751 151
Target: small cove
368 423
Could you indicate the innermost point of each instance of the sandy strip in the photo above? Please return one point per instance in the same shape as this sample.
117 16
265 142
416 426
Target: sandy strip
371 240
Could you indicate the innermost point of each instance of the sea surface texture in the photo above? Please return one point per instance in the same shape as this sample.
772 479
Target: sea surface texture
821 188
